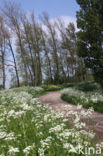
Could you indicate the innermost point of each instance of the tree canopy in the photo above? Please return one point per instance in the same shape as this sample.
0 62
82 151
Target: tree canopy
90 36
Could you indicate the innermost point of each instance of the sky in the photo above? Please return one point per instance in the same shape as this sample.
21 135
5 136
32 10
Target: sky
55 8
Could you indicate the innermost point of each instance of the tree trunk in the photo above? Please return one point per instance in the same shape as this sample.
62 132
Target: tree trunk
22 55
3 69
15 65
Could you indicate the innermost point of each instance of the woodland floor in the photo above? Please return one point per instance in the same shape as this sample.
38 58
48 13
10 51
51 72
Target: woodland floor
53 99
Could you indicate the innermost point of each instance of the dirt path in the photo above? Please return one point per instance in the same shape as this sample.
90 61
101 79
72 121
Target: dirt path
53 99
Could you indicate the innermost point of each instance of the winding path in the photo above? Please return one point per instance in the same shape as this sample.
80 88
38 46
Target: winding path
53 99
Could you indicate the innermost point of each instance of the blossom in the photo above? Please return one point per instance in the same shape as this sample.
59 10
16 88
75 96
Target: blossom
27 149
41 151
24 117
79 106
13 150
66 145
2 135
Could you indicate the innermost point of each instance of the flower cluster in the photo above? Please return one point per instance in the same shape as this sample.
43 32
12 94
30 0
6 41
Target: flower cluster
92 96
27 127
86 99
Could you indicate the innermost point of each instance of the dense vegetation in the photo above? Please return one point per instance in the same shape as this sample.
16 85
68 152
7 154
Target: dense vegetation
90 36
27 127
87 94
49 54
37 50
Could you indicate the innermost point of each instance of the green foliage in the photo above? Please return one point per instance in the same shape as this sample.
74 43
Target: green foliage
69 99
98 106
28 128
1 87
86 94
87 86
90 36
51 87
83 86
89 77
34 91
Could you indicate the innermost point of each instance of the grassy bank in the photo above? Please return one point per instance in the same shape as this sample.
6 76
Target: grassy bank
87 94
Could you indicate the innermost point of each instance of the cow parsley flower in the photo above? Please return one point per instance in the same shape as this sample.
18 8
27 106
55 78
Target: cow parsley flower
13 150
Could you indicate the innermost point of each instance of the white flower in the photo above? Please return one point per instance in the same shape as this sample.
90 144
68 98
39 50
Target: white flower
58 128
27 149
80 125
11 113
65 120
91 135
2 119
46 117
66 145
41 152
77 119
79 107
2 135
13 150
72 149
67 107
10 136
40 134
23 112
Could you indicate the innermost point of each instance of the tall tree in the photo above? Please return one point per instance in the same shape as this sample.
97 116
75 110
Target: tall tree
3 44
53 43
47 60
90 36
14 60
13 13
43 50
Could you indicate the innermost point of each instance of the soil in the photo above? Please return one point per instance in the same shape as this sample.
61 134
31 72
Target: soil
53 100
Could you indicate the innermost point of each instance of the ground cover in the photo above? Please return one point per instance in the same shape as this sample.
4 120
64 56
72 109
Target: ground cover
28 128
